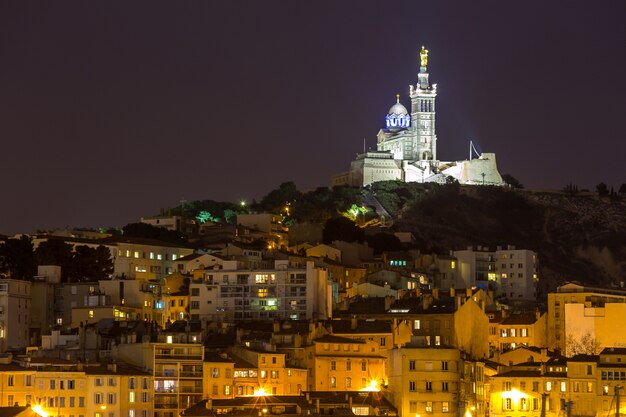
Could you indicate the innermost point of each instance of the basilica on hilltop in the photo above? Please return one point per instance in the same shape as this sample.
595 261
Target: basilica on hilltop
407 146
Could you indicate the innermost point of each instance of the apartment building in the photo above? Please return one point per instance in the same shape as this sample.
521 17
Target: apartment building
512 272
341 364
425 380
15 311
286 291
582 315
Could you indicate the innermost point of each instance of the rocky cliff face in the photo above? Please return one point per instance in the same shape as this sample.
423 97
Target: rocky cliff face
578 237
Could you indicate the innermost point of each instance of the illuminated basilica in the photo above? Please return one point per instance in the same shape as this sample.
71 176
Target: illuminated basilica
407 146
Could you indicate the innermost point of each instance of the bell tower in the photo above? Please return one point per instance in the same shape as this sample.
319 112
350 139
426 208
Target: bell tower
423 96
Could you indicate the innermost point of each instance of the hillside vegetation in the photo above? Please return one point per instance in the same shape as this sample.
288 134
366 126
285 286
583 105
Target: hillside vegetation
578 237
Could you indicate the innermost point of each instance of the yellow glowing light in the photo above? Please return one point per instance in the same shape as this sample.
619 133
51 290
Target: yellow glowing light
467 413
372 387
514 395
37 409
260 392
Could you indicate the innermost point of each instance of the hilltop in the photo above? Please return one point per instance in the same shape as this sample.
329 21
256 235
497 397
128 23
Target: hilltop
578 236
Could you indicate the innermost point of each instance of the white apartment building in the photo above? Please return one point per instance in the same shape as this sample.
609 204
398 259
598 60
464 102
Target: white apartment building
15 307
511 272
287 291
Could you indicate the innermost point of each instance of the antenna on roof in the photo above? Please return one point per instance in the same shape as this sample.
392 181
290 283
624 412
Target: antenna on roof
363 145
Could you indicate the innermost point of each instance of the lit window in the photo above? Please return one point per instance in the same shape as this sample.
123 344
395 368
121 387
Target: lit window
429 407
262 292
445 406
90 313
169 339
548 385
151 255
452 265
174 257
136 254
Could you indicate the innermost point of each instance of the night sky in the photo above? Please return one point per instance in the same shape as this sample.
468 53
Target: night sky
112 110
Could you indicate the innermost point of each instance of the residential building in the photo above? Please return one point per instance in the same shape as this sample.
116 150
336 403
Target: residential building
425 380
341 364
15 311
595 301
286 291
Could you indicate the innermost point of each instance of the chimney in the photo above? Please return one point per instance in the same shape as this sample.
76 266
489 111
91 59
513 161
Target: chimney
452 292
426 300
388 301
354 322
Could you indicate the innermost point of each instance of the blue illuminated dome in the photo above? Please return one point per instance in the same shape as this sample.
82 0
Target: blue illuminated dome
398 117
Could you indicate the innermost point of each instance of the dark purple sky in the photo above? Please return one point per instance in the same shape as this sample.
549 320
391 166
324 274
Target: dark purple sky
112 110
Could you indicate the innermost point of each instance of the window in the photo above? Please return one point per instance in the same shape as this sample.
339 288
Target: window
145 397
363 366
445 407
111 398
412 407
429 406
535 386
333 382
412 385
589 370
195 292
195 305
411 365
416 324
429 386
274 359
333 365
274 374
523 405
214 389
548 385
81 401
535 403
53 384
348 365
131 383
444 386
215 372
524 332
131 397
444 366
563 386
71 384
226 389
10 381
506 386
507 404
97 398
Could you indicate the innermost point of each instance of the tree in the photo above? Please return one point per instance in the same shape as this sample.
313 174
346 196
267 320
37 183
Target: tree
602 189
148 231
90 264
570 189
585 345
381 242
55 252
341 228
512 181
17 258
275 200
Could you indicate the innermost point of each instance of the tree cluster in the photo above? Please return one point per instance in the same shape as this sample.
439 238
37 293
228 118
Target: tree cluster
19 259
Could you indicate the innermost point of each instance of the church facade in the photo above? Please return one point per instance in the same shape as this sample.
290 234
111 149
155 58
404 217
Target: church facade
407 146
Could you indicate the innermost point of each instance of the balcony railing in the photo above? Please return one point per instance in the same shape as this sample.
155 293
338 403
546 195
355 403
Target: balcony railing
191 374
166 406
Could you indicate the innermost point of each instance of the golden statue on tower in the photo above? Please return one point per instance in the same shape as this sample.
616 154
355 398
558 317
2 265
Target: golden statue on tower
424 57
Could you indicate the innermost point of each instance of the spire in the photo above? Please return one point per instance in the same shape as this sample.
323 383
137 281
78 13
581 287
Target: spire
397 97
